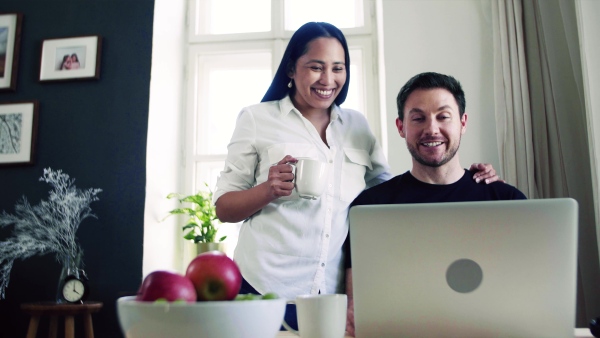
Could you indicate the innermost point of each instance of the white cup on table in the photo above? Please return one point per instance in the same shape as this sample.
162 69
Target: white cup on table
310 177
320 316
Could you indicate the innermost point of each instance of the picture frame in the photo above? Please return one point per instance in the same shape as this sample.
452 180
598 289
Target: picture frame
73 58
18 132
10 42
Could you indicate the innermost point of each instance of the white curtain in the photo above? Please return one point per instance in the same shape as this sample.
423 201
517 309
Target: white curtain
540 111
513 117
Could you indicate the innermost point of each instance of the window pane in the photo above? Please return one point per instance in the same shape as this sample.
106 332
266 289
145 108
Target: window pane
228 82
207 172
341 13
356 93
233 16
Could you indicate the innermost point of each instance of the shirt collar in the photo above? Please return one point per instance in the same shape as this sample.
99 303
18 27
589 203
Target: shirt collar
286 106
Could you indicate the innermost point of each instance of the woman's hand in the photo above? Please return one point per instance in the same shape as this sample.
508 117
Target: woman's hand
484 172
280 180
236 206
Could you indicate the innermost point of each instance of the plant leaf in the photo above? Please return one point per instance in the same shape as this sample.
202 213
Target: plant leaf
177 212
190 235
202 214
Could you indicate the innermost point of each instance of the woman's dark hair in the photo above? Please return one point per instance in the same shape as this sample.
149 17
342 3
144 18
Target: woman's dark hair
62 64
431 80
297 47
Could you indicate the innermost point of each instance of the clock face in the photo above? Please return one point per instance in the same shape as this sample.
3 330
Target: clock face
74 290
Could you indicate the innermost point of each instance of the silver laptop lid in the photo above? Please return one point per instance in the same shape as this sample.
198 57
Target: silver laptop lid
469 269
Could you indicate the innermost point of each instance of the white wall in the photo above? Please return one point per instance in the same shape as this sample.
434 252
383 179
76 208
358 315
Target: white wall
163 240
449 37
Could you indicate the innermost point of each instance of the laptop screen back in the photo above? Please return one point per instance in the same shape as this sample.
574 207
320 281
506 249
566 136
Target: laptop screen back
469 269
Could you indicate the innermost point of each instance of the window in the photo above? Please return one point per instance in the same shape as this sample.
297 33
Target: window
232 56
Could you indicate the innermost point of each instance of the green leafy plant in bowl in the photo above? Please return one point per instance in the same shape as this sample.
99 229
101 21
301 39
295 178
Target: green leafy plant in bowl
202 224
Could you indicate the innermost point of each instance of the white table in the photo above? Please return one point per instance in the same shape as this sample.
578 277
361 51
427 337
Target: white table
579 333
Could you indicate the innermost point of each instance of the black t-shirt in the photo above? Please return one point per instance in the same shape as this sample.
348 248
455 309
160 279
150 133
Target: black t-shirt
406 188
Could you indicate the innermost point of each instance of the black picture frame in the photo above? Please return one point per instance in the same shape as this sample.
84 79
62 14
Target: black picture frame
72 58
18 132
10 36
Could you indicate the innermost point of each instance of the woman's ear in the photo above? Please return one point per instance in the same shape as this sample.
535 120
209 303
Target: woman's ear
291 69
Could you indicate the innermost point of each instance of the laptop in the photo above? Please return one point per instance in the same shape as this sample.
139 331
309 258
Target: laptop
468 269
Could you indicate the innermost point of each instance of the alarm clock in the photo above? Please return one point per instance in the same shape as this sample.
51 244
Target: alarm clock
74 289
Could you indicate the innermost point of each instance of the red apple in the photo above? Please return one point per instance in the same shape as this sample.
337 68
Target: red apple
166 285
215 276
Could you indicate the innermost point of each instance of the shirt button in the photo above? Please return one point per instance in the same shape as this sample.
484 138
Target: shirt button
330 161
322 264
327 235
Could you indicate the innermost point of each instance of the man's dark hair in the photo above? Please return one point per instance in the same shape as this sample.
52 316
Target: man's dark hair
431 80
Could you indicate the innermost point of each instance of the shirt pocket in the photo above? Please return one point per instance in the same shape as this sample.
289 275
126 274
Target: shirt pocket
277 152
354 167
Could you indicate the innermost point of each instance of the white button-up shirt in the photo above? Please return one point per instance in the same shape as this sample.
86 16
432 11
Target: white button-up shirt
293 246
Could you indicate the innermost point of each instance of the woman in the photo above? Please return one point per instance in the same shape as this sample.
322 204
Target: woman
74 61
289 245
66 63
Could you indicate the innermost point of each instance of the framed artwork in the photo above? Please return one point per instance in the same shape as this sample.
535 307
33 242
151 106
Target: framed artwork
75 58
10 40
18 132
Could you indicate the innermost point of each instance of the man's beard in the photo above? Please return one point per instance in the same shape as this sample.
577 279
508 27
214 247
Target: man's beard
448 155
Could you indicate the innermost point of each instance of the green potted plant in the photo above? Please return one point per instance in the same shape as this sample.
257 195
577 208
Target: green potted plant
202 223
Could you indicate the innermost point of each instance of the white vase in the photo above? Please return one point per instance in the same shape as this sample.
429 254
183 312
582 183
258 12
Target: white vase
204 247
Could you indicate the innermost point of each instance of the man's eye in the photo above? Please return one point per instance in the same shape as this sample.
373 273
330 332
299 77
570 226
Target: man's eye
316 68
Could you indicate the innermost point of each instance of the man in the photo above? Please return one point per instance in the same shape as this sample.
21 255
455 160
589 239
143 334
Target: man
432 119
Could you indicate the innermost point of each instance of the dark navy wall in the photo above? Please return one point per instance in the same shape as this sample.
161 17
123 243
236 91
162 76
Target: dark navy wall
96 132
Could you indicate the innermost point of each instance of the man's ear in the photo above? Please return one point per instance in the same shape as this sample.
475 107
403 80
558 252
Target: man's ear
463 122
400 127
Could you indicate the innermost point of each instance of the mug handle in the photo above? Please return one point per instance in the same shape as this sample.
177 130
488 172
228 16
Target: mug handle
287 327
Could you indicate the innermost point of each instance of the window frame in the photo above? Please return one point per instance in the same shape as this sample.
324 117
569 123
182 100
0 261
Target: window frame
363 38
277 25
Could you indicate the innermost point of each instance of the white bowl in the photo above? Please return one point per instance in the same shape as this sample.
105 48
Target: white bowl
222 319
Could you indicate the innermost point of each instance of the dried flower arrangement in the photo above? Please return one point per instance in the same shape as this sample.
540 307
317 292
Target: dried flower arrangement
48 227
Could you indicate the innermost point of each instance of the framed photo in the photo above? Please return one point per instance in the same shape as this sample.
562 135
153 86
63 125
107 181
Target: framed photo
18 132
10 40
76 58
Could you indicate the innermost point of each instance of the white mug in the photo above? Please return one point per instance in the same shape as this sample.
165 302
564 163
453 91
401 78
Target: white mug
320 316
310 177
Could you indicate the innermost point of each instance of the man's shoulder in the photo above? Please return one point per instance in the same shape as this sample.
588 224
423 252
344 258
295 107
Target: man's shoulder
507 190
383 193
496 190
